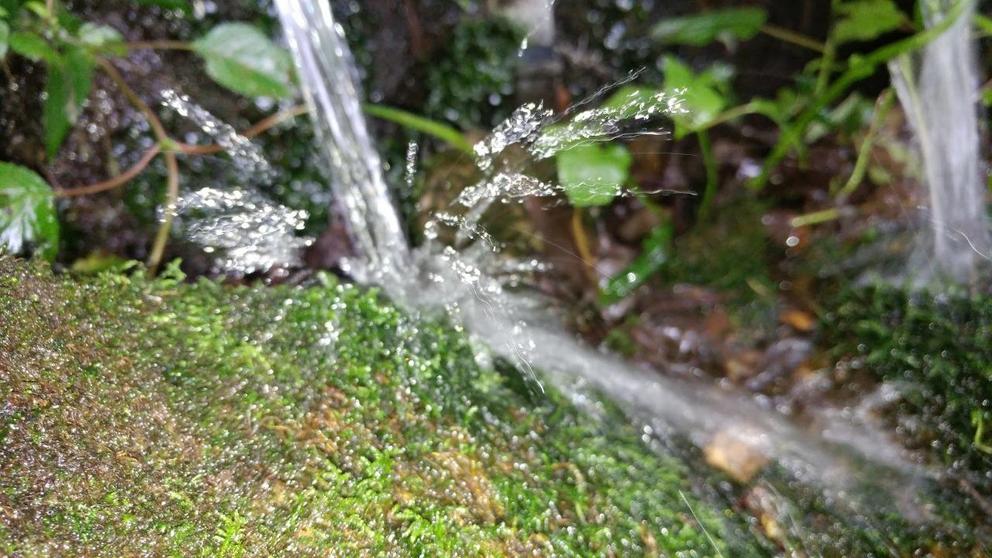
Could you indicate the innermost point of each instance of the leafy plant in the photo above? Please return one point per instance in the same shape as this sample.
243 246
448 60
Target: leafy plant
702 29
243 59
27 212
593 175
237 56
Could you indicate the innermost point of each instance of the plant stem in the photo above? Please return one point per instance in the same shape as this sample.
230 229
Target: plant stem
171 197
816 217
826 66
160 45
712 177
256 130
582 243
734 113
116 181
856 72
439 130
882 107
794 38
134 99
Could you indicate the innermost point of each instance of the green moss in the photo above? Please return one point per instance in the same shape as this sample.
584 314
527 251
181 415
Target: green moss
184 420
938 350
469 84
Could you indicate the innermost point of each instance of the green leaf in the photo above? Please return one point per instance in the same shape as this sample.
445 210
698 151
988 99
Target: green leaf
243 59
168 4
33 47
703 29
4 38
630 100
593 175
702 101
102 37
655 253
67 88
27 212
864 20
418 123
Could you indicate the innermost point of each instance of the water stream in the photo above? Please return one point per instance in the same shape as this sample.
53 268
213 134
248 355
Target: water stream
327 69
470 283
939 92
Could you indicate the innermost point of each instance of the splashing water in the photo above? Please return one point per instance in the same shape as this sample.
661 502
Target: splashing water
247 231
473 287
941 104
252 165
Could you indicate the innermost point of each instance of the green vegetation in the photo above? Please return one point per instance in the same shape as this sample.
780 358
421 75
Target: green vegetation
938 351
470 84
202 420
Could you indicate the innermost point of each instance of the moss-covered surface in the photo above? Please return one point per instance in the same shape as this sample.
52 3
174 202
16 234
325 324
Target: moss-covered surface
160 418
937 349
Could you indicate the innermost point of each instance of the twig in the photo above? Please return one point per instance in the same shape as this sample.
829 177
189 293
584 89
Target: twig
792 37
160 45
116 181
135 100
582 244
882 107
128 175
256 130
171 197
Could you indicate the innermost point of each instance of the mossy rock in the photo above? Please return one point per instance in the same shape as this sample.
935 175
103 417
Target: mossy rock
169 419
937 349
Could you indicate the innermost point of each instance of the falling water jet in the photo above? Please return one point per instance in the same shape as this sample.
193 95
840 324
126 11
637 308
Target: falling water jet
941 104
323 57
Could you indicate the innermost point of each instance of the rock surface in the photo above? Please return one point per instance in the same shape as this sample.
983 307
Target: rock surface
167 419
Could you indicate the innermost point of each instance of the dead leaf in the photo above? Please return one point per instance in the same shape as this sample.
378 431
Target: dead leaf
735 456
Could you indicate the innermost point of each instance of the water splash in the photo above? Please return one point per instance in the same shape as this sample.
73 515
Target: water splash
247 231
479 291
250 162
543 134
941 104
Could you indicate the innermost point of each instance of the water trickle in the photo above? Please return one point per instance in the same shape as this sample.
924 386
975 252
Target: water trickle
941 104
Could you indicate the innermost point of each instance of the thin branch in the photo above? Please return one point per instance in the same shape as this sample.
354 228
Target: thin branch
256 130
171 197
794 38
160 45
135 100
882 106
261 127
582 244
114 182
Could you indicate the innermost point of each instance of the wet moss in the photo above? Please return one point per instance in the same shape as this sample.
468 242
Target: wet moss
937 350
470 83
167 419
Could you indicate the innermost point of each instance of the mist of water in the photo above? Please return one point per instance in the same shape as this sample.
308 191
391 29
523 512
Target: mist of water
939 92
